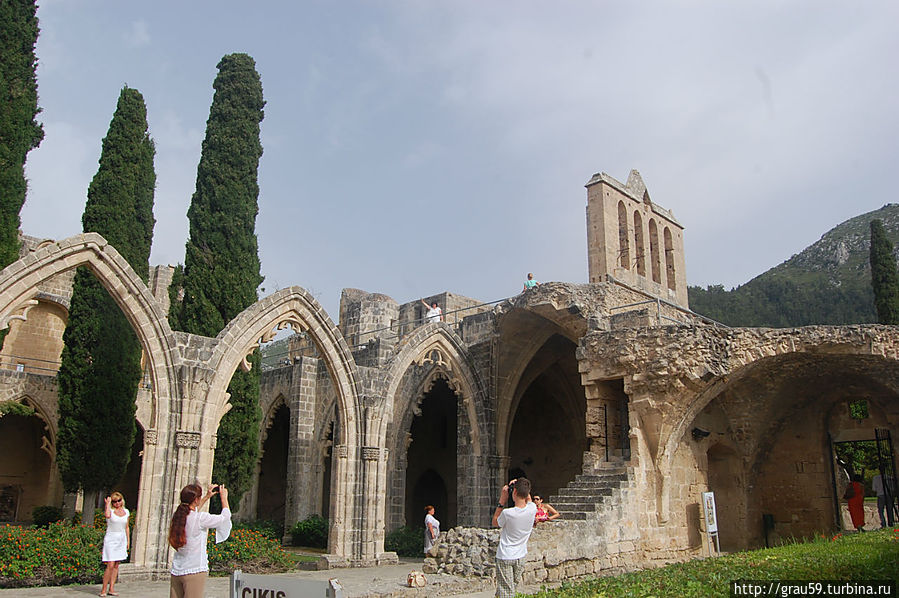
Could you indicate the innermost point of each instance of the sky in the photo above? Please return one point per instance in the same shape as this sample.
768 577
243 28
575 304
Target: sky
412 148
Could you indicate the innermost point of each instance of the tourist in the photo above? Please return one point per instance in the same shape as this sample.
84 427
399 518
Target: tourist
545 512
530 283
516 524
115 542
187 535
855 494
435 314
884 508
432 528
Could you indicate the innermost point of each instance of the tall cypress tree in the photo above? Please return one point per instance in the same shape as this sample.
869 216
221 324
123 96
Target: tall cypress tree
884 277
100 369
221 267
19 131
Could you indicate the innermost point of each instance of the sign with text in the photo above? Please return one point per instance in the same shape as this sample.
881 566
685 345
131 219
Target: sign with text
711 516
246 585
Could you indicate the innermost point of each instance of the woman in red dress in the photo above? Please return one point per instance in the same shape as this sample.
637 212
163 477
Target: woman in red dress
855 494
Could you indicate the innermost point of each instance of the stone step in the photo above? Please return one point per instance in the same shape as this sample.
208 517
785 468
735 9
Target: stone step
574 506
613 474
583 492
573 515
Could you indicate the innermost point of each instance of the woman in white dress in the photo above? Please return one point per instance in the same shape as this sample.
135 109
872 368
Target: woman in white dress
187 535
115 542
432 528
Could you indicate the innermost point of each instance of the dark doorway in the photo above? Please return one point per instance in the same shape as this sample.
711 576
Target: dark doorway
548 436
272 497
431 459
429 489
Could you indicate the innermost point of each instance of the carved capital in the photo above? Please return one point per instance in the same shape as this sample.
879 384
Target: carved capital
340 451
151 436
187 440
370 453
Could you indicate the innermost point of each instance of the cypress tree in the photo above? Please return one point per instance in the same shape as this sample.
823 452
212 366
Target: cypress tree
884 277
101 369
19 131
221 267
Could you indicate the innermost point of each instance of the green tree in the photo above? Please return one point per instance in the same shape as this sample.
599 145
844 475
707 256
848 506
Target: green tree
221 266
101 369
884 278
19 131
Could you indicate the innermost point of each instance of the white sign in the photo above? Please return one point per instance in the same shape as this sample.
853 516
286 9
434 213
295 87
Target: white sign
246 585
708 509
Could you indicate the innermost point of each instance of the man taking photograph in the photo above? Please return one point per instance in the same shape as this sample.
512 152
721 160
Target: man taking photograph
516 524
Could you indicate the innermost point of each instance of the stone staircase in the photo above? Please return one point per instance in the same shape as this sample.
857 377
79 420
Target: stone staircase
582 498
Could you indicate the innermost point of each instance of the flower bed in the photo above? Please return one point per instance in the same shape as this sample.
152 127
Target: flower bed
60 554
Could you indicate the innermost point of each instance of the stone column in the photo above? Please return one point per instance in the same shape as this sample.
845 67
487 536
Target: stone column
301 454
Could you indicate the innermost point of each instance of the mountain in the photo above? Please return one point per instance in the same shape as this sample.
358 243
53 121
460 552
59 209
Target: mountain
827 283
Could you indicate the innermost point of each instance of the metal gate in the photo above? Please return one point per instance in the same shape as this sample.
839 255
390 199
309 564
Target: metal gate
887 465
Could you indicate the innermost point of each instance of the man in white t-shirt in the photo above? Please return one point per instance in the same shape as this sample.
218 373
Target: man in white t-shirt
516 524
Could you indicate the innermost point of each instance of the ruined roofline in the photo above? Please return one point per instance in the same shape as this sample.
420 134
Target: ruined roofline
603 177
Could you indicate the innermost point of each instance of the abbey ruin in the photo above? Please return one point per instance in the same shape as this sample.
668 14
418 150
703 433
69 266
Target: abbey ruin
618 402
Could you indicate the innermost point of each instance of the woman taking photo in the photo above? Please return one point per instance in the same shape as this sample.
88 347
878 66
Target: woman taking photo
187 535
115 542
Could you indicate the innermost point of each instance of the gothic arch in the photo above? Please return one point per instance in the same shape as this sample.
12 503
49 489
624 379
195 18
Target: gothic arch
20 280
624 257
670 274
296 308
291 307
654 254
438 344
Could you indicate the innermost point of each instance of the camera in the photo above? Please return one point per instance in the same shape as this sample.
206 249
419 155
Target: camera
215 489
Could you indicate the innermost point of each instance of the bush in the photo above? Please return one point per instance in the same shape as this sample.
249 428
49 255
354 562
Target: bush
47 514
312 531
248 550
61 554
267 527
406 541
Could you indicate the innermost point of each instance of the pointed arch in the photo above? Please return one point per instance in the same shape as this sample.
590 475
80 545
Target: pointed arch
438 344
19 283
291 307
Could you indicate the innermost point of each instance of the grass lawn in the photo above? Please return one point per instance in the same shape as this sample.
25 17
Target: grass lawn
852 557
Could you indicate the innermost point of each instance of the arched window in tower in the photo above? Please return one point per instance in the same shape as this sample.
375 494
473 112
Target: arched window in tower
639 247
624 256
654 257
669 260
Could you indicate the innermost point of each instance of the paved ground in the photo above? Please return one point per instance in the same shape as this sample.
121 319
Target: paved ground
374 582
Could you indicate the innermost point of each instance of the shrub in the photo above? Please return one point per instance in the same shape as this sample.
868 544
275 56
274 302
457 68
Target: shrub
406 541
312 531
248 550
60 554
267 527
47 514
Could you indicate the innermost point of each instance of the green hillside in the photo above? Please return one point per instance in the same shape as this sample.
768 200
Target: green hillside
827 283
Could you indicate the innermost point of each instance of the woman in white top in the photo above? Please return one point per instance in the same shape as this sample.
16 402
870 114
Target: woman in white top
187 535
115 542
432 528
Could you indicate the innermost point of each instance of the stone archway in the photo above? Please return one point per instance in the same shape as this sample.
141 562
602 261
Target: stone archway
294 307
435 352
19 285
546 435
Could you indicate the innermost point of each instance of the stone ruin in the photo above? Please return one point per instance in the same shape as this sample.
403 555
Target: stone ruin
619 403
